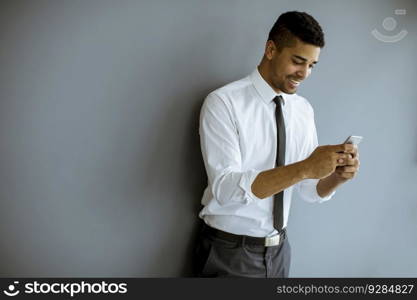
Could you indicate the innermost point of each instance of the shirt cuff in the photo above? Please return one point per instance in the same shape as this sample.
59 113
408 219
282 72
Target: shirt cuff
245 183
308 191
324 199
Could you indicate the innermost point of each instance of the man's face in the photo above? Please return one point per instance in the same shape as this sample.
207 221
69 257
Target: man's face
291 65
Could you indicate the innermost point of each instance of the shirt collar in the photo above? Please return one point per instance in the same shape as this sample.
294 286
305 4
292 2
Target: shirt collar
266 92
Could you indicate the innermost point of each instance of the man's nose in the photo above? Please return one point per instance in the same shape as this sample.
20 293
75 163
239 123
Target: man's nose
303 73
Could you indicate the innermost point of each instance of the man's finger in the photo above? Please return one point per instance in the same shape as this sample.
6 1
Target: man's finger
356 156
346 169
355 151
347 175
342 158
350 162
341 148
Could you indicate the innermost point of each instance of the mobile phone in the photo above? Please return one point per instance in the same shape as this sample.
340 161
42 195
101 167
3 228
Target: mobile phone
353 139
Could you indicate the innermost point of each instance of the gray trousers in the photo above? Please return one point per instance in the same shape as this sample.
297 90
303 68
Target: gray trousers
216 257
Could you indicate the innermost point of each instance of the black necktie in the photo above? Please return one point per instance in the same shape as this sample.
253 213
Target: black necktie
280 161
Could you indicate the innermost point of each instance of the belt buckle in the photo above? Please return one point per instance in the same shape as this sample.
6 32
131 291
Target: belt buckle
273 240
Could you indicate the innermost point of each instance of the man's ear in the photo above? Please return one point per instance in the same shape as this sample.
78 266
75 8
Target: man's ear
270 49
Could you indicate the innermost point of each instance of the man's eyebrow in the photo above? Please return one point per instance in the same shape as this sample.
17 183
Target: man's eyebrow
304 59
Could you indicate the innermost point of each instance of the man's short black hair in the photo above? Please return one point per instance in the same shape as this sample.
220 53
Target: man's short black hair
298 24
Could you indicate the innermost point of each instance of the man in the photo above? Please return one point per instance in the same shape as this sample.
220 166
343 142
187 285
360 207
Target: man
259 144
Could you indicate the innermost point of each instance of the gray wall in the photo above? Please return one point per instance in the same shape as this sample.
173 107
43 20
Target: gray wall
101 172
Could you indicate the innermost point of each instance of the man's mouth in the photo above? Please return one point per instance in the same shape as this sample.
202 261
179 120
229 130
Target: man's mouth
294 83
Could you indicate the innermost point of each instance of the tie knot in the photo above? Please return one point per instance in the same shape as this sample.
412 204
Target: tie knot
278 100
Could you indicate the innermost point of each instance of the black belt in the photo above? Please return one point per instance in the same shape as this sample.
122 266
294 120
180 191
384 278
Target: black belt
263 241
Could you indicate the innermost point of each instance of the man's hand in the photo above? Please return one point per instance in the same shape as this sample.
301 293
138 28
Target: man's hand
351 167
326 159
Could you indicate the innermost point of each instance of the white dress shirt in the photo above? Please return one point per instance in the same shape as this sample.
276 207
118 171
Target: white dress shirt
238 137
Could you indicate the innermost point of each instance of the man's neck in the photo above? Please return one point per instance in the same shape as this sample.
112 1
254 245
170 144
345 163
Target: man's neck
263 69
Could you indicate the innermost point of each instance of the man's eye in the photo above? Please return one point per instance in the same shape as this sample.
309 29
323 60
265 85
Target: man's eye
297 63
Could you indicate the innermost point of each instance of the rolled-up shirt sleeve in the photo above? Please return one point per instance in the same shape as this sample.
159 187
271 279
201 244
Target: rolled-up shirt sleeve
307 189
221 154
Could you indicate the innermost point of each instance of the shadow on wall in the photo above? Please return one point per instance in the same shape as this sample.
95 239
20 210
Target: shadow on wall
198 182
176 175
172 169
